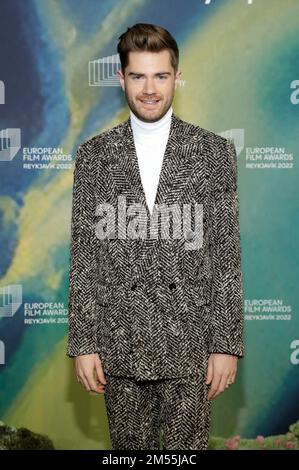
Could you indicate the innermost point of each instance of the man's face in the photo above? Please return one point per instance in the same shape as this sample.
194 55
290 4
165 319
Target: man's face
149 84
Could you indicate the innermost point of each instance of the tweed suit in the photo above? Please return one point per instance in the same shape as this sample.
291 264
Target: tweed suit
139 410
149 307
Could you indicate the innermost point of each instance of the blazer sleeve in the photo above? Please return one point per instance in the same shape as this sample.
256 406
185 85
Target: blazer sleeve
82 273
227 289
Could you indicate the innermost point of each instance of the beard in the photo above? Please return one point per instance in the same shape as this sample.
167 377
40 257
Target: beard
151 114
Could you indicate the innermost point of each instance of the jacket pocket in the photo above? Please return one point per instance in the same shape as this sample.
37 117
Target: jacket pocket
199 294
104 294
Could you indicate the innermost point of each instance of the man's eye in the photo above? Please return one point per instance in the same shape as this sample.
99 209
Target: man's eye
136 78
162 76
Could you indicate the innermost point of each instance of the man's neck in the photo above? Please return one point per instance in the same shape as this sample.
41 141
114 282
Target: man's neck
151 129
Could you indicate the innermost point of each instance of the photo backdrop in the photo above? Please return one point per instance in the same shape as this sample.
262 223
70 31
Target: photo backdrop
58 87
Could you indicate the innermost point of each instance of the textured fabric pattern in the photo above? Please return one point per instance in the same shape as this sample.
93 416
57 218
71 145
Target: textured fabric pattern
137 410
151 308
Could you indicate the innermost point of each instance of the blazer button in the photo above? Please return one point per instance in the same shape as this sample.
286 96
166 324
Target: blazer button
190 235
134 286
172 285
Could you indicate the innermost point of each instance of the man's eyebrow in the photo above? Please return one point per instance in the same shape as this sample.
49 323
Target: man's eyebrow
142 74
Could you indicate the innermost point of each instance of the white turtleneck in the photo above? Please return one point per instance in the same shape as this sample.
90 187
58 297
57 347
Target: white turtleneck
150 141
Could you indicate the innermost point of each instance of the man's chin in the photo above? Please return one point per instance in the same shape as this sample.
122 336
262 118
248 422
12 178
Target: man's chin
150 114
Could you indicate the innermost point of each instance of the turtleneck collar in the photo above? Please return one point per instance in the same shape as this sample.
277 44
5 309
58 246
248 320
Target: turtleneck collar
151 129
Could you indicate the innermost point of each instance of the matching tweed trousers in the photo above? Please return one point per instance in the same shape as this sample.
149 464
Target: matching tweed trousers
172 412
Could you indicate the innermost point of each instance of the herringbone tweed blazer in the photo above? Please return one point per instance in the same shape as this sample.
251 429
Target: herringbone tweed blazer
149 306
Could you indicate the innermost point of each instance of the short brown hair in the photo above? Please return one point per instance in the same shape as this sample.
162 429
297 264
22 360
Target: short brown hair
147 37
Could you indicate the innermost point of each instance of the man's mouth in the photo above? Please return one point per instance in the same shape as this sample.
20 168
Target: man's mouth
149 101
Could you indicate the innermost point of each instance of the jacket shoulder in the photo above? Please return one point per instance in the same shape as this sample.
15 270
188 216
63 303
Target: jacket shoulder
213 142
97 144
211 138
219 153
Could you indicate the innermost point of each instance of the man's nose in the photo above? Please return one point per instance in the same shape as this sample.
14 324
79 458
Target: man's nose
149 87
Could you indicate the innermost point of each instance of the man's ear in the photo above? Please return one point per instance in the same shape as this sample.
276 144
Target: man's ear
121 79
177 78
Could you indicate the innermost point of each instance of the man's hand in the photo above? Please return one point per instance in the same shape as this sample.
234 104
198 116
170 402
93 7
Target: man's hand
222 369
90 372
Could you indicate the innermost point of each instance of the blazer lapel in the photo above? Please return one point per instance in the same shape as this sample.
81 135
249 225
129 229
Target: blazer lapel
182 157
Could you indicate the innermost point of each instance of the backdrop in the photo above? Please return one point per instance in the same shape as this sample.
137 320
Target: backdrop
58 87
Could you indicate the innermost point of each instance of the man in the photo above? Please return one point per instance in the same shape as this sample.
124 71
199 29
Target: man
155 300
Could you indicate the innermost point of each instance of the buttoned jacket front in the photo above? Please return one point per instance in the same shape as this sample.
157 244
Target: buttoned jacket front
151 305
